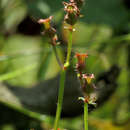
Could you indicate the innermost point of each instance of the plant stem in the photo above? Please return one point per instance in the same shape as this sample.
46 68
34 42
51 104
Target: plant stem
60 99
85 116
69 47
62 83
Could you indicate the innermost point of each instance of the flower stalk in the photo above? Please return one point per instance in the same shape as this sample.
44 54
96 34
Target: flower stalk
60 99
87 85
62 83
50 32
85 116
69 48
72 9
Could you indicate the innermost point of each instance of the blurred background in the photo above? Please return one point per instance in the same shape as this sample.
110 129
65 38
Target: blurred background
26 59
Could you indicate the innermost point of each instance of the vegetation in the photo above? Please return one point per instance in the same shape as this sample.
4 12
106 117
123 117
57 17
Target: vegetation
34 63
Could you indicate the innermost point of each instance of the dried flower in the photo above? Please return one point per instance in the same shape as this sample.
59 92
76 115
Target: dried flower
79 3
89 99
72 13
88 77
49 30
71 8
86 83
46 22
80 66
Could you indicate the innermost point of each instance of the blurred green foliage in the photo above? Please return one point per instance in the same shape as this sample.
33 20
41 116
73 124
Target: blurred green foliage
104 32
